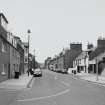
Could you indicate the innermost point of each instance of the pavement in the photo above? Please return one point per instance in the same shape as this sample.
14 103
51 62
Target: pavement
92 78
20 83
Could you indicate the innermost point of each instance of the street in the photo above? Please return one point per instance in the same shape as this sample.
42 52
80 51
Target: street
55 89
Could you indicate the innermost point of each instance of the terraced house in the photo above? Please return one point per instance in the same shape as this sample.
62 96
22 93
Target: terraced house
9 54
81 62
4 49
98 56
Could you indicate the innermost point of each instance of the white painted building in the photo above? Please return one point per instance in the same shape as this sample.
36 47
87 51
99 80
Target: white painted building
81 62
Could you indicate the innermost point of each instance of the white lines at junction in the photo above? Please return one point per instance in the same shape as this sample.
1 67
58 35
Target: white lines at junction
50 96
65 83
9 90
55 77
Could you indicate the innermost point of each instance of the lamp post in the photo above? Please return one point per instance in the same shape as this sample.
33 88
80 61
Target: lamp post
34 59
97 69
28 32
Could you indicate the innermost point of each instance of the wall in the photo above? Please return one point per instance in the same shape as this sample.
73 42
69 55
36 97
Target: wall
14 61
101 43
4 59
21 52
70 56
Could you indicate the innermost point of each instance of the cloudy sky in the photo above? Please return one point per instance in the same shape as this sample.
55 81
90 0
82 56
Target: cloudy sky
54 24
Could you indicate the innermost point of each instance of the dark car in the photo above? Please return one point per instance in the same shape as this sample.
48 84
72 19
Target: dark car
37 72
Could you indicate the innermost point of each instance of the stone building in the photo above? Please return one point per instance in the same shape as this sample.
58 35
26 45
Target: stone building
9 56
70 55
14 55
26 50
20 49
81 62
4 49
47 62
64 60
97 55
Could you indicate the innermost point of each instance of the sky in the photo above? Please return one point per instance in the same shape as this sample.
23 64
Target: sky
54 24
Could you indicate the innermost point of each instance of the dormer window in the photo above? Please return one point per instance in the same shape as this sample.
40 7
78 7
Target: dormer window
4 46
4 21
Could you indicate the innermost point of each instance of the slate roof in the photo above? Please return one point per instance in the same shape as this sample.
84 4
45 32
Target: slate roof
96 52
1 14
83 54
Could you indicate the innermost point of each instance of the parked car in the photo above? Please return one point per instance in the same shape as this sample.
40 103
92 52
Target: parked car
64 71
37 72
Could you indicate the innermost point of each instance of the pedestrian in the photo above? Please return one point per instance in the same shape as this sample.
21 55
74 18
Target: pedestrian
28 72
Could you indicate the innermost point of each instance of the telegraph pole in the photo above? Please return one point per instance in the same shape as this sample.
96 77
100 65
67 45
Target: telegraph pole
97 69
28 32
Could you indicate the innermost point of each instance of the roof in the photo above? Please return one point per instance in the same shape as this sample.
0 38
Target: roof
25 43
1 14
92 49
83 54
96 52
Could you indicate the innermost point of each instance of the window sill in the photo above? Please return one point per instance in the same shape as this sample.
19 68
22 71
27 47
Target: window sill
3 51
3 73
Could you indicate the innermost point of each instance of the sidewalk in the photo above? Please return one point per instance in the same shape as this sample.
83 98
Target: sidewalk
92 78
20 83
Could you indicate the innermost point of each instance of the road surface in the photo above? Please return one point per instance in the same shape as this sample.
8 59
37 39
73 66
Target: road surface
56 89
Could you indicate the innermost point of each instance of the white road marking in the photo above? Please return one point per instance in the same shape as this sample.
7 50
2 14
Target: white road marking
55 103
55 77
9 90
65 83
54 95
32 82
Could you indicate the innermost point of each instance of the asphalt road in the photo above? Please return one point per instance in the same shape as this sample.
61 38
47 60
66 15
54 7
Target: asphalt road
56 89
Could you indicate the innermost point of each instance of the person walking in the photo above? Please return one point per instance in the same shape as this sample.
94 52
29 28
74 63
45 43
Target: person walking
28 72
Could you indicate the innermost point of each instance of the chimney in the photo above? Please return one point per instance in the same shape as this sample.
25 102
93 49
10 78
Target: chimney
90 45
76 46
101 43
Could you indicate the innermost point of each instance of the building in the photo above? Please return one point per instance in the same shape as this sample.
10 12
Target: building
96 55
47 62
31 61
14 55
20 49
70 55
26 50
4 49
10 57
64 60
81 62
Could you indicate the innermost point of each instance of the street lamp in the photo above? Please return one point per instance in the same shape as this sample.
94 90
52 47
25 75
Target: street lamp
34 59
28 32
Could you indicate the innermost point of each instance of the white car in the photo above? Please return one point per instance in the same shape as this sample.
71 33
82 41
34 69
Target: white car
37 72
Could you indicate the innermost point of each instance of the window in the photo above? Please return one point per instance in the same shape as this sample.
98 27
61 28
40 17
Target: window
26 60
4 46
26 50
84 61
3 69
